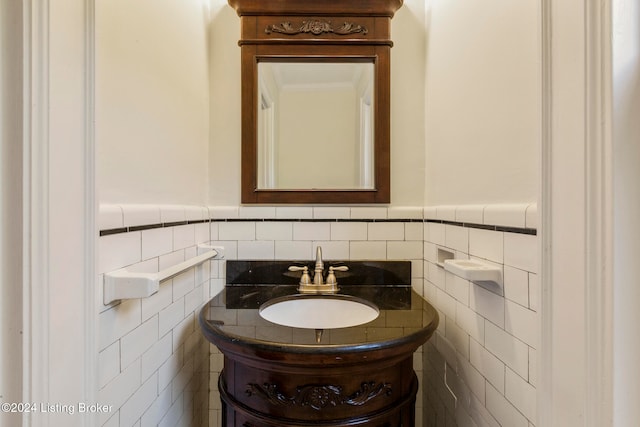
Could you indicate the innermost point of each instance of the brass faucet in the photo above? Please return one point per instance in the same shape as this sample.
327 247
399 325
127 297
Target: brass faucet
318 286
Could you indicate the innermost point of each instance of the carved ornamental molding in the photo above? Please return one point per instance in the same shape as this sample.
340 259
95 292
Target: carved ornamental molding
319 396
316 27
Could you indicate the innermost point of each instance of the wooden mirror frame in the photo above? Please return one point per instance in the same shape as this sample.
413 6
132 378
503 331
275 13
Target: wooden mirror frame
316 31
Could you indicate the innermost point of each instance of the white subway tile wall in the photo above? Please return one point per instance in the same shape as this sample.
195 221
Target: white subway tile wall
472 214
479 369
110 217
506 215
294 212
446 213
331 212
153 362
135 215
172 213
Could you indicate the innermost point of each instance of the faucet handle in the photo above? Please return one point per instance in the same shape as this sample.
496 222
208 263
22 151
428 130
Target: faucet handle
331 277
304 279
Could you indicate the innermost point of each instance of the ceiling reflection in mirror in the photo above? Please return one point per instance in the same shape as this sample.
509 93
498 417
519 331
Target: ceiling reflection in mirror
315 125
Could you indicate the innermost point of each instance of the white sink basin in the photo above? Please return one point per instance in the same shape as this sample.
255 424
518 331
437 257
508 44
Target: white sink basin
318 311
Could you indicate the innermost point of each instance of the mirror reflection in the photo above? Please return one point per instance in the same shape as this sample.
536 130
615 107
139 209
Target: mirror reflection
315 125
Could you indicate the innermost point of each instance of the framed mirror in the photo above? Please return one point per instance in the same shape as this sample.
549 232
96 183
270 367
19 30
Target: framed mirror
315 101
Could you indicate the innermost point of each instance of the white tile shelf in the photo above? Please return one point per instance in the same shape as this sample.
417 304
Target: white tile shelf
474 270
124 284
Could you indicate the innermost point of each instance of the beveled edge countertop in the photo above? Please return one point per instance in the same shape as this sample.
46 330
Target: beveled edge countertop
232 317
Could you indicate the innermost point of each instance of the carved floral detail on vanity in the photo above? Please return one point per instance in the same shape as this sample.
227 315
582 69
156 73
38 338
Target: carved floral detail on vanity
320 396
316 27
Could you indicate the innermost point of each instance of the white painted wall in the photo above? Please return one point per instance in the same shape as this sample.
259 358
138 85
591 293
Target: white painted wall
224 78
482 101
407 106
626 152
152 101
10 206
152 97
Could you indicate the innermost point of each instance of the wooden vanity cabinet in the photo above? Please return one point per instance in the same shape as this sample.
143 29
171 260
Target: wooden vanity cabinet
264 388
282 376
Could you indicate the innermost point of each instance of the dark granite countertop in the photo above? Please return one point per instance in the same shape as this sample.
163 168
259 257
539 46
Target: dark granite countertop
233 316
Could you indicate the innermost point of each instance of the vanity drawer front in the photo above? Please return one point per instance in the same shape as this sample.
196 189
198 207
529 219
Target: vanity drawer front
400 415
320 393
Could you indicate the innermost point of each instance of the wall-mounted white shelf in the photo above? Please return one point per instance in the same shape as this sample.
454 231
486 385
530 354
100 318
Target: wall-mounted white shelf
123 284
442 255
474 270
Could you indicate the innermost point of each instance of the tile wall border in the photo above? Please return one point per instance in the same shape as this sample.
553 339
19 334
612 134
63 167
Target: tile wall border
506 229
502 217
